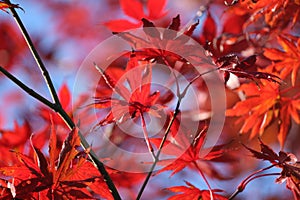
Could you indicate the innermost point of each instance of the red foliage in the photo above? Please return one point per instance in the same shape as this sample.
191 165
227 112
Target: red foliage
255 41
190 192
62 175
135 10
286 161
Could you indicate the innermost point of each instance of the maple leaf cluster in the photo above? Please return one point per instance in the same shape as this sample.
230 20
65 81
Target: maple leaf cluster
252 46
63 175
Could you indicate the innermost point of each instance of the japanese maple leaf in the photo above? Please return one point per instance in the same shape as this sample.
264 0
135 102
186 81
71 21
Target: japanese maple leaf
190 192
277 14
230 64
263 106
286 161
209 29
158 45
64 95
287 60
132 103
65 175
16 139
188 153
135 10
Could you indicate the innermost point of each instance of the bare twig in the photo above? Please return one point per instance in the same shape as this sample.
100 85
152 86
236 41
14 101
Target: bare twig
35 54
56 105
248 179
30 91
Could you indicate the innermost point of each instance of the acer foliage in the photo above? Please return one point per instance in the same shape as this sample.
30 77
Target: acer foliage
193 193
286 161
153 102
286 62
135 10
264 106
63 176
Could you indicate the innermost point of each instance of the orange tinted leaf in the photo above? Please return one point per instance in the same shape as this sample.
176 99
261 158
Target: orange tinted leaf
287 62
67 153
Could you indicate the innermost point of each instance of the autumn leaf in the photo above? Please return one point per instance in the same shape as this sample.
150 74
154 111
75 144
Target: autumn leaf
286 161
187 152
68 104
14 139
132 103
190 192
262 107
276 14
287 60
230 64
209 29
135 10
161 50
66 175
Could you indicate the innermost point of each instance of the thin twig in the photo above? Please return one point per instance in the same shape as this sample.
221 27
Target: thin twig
250 177
56 105
70 124
205 180
239 190
30 91
180 96
156 157
146 136
35 54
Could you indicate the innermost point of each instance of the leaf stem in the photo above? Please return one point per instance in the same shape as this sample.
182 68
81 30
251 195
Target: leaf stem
249 178
205 180
239 190
56 105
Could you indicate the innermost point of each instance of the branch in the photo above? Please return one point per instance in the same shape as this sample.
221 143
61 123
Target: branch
248 179
35 54
28 90
56 105
180 96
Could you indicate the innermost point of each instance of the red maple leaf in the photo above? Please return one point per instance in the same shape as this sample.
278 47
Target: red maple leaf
209 29
152 47
132 103
231 64
64 95
188 153
286 161
65 175
190 192
135 10
15 139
